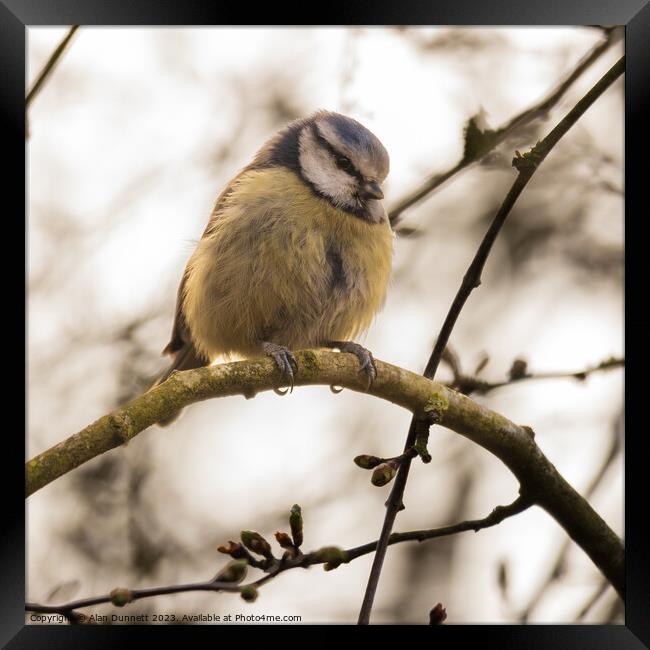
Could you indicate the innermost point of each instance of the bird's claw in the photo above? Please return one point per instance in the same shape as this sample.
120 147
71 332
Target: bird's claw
365 357
285 362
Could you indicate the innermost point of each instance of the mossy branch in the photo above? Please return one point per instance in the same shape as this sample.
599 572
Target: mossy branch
513 444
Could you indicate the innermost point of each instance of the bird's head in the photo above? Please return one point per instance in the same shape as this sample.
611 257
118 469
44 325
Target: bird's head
339 158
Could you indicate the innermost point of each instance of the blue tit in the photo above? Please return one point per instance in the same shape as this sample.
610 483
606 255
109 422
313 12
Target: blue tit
296 254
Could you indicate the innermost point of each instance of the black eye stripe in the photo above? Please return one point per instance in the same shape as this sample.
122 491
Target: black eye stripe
346 165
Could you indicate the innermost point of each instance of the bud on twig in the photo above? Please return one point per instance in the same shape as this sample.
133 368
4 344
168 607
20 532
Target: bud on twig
249 593
367 462
283 540
235 571
437 615
232 547
384 474
235 550
528 161
331 556
518 370
121 597
295 521
256 543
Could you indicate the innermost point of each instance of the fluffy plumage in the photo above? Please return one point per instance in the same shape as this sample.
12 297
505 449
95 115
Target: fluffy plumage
285 266
297 252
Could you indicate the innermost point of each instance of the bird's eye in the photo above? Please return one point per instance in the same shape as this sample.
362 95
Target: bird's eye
344 163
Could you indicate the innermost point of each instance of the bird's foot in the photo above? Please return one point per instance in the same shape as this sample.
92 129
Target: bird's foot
365 358
285 362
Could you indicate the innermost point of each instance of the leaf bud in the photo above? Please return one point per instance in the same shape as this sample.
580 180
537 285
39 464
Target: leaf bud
295 521
383 475
256 543
249 593
235 571
121 597
365 461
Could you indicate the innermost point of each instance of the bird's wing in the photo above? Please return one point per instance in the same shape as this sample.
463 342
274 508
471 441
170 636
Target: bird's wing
180 332
218 204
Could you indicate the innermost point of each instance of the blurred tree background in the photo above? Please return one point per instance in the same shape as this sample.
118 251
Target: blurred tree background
130 142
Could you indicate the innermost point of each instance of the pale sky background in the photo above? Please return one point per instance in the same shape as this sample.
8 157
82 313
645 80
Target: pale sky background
131 141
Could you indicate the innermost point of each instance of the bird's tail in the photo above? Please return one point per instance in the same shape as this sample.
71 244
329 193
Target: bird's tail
186 358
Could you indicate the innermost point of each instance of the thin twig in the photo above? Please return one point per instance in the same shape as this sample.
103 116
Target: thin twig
499 514
495 517
467 384
556 570
594 598
504 131
526 166
614 611
68 609
49 66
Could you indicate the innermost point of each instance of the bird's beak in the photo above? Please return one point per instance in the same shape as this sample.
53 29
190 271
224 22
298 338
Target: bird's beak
372 190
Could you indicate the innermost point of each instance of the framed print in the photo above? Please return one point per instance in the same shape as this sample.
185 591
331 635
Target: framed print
330 323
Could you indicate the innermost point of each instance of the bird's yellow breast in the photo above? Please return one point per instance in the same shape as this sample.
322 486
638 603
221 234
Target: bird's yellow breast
281 264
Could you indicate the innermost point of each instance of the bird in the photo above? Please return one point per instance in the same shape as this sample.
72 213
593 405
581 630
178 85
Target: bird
297 253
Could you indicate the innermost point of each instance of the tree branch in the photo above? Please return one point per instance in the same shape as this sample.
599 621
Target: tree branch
68 610
524 118
557 568
49 66
495 517
468 384
499 514
594 598
526 165
514 445
399 386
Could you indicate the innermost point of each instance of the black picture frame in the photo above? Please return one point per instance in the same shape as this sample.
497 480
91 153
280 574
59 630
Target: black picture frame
16 15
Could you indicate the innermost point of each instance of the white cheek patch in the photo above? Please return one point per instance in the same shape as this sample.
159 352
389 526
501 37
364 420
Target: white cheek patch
319 168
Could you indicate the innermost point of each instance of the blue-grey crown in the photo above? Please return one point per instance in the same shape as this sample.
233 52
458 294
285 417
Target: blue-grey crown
352 133
283 148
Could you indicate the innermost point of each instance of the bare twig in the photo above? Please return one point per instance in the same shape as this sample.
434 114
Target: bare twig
614 611
526 166
499 514
524 118
68 609
556 570
495 517
594 598
49 66
467 384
